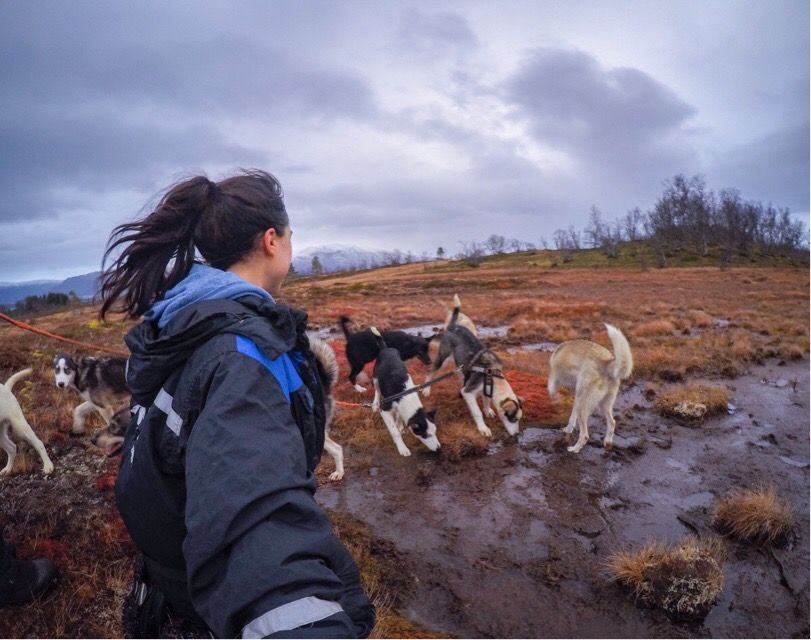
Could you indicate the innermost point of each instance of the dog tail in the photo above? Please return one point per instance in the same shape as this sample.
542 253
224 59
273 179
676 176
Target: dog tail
343 322
457 307
379 338
17 377
442 304
623 360
552 383
326 358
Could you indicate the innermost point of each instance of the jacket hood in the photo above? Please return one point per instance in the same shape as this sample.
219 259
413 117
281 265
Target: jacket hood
156 353
201 283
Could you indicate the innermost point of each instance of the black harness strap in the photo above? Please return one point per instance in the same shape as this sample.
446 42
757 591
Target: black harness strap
470 366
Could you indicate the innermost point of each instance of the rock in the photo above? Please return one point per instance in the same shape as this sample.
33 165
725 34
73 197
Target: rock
662 443
731 408
634 444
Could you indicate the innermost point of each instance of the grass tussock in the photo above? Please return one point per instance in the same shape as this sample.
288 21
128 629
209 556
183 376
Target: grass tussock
699 318
757 516
684 580
654 328
693 403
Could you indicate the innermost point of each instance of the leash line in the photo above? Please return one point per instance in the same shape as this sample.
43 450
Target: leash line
399 395
27 327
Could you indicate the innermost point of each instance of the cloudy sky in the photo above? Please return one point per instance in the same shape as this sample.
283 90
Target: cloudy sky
391 124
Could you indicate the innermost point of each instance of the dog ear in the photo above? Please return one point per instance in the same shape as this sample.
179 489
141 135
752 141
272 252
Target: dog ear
520 401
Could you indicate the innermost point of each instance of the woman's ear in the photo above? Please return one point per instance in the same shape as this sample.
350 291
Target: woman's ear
269 240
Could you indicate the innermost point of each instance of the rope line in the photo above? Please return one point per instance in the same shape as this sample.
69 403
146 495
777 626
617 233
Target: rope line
27 327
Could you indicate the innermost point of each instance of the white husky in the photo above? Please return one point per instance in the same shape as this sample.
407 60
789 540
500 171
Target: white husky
12 420
594 374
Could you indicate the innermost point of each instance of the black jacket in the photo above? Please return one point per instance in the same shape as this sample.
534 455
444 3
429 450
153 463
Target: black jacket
216 483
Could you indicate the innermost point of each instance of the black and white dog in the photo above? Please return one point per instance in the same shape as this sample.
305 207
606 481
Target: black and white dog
362 347
467 349
390 378
101 382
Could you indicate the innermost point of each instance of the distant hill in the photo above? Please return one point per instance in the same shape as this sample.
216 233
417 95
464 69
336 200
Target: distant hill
339 257
84 286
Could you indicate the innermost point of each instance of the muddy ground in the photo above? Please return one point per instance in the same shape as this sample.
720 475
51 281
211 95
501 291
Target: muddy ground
513 543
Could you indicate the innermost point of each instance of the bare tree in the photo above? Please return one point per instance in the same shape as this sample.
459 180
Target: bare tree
574 238
472 253
632 224
495 244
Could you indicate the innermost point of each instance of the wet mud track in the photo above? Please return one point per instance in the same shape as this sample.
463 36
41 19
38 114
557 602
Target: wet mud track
513 544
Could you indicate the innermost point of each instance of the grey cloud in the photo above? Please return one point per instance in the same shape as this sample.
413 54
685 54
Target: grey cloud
772 168
620 115
213 76
427 35
51 155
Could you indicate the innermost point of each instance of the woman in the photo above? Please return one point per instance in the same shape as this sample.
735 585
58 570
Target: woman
216 482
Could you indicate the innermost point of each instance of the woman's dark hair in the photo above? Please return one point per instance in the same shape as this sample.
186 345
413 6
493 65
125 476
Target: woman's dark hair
221 220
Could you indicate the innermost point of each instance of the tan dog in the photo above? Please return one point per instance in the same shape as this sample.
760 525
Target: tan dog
12 420
594 374
462 320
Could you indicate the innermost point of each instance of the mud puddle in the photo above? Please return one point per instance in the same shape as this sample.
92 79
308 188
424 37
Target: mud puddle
513 543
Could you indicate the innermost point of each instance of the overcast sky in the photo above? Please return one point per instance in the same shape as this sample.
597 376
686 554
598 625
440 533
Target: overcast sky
391 124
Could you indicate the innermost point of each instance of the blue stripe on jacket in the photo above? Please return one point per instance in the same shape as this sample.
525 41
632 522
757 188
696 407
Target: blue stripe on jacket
282 368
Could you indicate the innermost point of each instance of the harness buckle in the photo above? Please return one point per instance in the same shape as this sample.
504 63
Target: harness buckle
488 384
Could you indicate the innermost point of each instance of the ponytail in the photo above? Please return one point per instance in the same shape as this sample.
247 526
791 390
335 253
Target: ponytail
221 220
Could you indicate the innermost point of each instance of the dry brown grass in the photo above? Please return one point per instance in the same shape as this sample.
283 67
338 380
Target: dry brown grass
684 580
699 318
693 402
757 516
654 328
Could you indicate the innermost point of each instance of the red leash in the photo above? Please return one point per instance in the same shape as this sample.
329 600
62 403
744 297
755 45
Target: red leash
48 334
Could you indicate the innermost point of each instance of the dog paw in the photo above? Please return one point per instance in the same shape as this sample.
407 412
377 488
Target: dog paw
404 451
335 476
47 468
426 391
5 471
485 431
489 412
608 444
568 429
575 448
360 389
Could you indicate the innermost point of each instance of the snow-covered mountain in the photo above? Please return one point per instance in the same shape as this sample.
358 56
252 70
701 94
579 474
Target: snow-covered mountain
338 257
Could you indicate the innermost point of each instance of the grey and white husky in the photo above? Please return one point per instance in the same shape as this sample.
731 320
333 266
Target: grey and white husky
594 374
